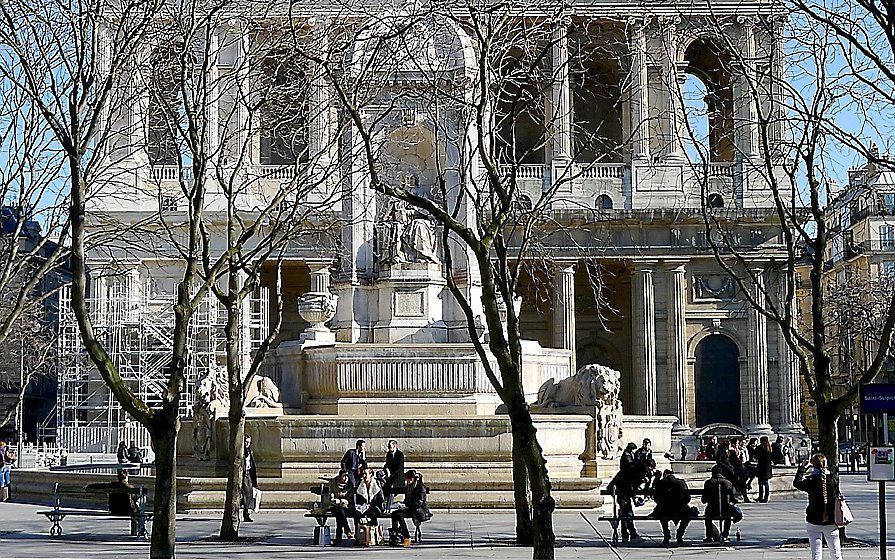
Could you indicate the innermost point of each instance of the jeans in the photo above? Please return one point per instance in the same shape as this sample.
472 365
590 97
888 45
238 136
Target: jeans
341 515
4 475
828 532
764 490
626 512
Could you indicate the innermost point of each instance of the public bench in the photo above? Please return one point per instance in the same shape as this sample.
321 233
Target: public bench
614 519
138 518
321 514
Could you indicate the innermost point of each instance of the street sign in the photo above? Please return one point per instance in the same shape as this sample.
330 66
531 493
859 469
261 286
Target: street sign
878 398
881 464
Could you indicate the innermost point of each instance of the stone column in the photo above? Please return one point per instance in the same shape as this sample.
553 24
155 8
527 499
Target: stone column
640 133
755 397
564 309
789 401
644 339
677 347
748 112
673 105
318 141
562 94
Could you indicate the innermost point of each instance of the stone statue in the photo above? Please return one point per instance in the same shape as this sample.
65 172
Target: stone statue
405 239
263 393
593 386
211 401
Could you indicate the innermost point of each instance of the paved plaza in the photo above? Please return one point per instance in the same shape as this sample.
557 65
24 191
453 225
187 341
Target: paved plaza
450 534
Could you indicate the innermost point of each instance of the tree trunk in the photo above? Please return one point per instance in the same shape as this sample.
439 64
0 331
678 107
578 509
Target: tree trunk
828 435
542 503
520 495
164 444
235 474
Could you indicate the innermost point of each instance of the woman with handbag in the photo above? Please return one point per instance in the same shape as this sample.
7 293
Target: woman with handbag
822 487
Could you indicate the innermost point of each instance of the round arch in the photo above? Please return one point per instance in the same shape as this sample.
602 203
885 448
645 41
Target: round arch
717 381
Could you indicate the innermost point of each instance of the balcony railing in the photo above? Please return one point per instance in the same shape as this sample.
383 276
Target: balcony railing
277 172
721 169
170 173
603 171
525 171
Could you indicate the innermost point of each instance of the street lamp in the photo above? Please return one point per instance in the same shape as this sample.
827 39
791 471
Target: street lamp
20 408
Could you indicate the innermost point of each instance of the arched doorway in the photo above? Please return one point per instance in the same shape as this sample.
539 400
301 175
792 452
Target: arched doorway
717 381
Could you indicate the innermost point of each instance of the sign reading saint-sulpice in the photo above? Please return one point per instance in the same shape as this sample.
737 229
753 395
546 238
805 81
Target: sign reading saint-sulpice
878 398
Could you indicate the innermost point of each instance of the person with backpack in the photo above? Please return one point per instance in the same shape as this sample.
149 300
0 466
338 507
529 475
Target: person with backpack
415 506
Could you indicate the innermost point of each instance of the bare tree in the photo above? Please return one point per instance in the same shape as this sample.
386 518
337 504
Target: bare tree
463 90
816 89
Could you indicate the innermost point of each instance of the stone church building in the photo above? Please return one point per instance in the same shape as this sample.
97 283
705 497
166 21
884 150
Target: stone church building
640 207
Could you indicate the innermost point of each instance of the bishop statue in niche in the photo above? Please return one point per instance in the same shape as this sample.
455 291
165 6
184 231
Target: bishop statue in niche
407 237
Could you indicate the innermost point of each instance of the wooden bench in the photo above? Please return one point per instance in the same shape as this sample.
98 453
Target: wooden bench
321 514
58 513
614 519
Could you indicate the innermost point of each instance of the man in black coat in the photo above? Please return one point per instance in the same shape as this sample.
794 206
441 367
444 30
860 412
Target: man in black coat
719 498
249 481
624 484
394 471
121 497
354 461
672 497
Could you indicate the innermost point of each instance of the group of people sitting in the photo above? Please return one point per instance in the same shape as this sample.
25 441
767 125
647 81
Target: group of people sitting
741 463
365 494
638 477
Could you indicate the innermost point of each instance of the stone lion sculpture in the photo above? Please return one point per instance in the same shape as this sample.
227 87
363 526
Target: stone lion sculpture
263 393
211 401
595 386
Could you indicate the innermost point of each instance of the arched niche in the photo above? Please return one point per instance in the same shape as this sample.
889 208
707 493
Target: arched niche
717 380
708 67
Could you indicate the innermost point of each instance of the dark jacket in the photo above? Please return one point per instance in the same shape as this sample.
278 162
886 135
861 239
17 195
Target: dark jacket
672 496
777 456
727 468
416 501
711 449
626 481
394 464
763 464
821 508
123 455
338 492
135 455
710 490
250 475
351 460
120 502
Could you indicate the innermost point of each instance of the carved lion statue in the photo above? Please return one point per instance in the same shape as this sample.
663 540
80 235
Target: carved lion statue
263 393
595 386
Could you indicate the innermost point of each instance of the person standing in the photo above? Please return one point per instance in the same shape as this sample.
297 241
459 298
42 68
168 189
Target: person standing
822 488
394 471
4 468
135 455
249 481
122 452
777 451
672 496
763 468
354 462
711 448
623 485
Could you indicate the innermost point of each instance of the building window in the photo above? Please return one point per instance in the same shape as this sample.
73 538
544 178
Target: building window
888 204
715 200
887 268
887 236
604 202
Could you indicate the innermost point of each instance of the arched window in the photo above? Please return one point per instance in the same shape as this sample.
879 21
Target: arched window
717 381
523 203
167 73
519 118
597 103
708 100
715 200
604 202
283 109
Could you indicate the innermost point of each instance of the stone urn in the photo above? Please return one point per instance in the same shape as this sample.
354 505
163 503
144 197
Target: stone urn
317 308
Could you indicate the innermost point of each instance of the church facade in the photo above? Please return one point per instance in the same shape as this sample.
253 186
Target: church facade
633 280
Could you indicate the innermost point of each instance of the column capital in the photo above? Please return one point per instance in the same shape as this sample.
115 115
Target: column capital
644 266
567 267
675 266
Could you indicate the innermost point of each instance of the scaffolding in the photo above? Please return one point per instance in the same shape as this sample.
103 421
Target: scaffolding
135 325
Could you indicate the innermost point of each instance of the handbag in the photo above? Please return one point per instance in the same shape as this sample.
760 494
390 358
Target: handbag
842 515
255 502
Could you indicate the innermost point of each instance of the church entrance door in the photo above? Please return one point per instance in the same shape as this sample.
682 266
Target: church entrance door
717 381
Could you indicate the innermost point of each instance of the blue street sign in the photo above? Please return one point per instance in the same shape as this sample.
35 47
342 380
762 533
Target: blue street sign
878 398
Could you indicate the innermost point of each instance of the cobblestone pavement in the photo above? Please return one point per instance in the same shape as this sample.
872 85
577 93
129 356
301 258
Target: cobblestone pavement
450 534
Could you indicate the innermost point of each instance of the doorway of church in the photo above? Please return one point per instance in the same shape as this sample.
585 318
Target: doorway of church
717 381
